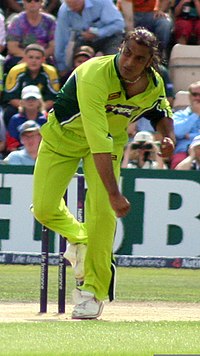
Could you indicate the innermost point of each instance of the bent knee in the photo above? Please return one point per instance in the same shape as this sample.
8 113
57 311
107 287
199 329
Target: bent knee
41 213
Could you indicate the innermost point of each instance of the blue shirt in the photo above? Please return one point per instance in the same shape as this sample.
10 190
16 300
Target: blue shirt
18 119
20 157
100 14
185 122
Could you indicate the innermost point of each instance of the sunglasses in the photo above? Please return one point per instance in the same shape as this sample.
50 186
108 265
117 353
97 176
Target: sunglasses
195 94
32 0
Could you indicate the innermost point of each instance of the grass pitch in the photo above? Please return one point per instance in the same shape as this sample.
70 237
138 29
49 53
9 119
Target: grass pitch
56 338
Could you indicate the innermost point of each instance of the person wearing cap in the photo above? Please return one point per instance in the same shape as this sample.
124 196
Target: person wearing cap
30 139
192 161
143 152
31 108
82 54
97 23
186 124
89 122
33 71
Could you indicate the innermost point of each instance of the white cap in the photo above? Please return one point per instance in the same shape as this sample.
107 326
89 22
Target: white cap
196 141
31 91
143 136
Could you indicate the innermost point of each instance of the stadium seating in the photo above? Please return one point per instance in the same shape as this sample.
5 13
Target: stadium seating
184 65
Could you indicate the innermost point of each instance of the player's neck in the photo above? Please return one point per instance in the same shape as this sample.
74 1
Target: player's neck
132 82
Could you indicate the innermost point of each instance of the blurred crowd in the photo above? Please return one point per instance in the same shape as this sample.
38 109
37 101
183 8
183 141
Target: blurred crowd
42 41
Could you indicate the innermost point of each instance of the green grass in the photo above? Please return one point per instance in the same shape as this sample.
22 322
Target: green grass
85 338
21 284
99 338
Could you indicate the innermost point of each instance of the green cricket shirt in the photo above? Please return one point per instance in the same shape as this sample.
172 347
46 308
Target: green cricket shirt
93 103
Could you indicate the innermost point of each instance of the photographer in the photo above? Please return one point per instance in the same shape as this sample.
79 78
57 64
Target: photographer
143 152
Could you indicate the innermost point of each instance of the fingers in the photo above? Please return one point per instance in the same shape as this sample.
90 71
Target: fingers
123 210
120 205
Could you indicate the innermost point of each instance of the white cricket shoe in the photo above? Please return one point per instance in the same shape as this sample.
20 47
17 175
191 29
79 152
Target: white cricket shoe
75 254
87 306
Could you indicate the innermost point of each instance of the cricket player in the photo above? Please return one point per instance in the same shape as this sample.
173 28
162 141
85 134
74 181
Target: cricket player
89 122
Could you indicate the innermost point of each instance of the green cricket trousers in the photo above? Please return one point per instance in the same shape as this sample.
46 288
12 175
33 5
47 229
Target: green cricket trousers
58 159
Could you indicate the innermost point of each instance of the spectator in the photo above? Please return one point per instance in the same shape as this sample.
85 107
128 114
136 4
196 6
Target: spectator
2 125
186 125
192 162
2 136
1 78
2 7
31 108
33 71
15 6
142 152
81 55
100 26
30 139
151 14
187 21
2 33
30 26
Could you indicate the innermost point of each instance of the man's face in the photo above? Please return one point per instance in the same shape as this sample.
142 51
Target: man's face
31 103
34 60
195 94
32 6
134 58
31 140
79 60
75 5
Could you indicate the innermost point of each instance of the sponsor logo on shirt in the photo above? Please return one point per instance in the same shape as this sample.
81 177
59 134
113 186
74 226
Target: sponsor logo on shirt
124 110
114 95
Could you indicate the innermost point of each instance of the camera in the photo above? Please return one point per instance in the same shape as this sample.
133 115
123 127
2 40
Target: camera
144 146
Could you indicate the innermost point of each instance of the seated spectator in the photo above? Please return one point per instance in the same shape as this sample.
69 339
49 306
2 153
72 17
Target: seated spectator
143 152
151 14
2 125
29 26
2 136
16 6
31 108
81 55
186 125
2 33
30 139
100 26
187 21
33 71
192 161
